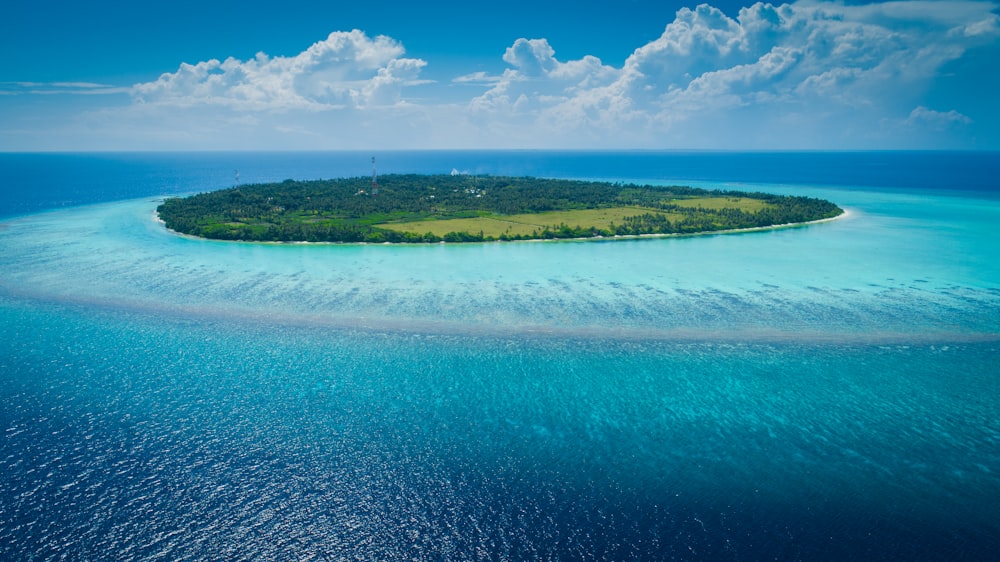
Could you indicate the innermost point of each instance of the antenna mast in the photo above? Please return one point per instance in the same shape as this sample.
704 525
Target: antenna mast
374 179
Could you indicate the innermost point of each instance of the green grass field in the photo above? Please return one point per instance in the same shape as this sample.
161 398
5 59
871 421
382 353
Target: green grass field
525 224
744 204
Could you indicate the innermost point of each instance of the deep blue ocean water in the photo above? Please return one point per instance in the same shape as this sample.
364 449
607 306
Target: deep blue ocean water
822 392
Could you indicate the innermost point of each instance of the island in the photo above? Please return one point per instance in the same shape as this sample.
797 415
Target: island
415 208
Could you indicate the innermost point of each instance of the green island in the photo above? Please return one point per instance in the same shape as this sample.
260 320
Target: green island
466 208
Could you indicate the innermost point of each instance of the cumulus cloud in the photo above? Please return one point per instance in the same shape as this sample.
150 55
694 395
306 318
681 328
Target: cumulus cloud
806 74
533 94
810 59
531 57
347 69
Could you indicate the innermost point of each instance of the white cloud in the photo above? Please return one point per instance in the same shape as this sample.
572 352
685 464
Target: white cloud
812 73
477 78
531 57
823 63
347 69
697 41
59 88
531 97
937 120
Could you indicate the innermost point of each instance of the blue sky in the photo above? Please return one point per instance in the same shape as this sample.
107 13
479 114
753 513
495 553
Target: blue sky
189 75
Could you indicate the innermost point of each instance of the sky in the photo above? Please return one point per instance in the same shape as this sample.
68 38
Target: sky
378 74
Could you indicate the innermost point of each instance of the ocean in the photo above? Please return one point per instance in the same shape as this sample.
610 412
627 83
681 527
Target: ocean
827 391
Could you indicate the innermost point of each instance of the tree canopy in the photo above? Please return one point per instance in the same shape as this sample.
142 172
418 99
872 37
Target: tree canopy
347 210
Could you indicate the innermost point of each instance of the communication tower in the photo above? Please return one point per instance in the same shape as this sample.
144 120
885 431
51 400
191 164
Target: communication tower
374 179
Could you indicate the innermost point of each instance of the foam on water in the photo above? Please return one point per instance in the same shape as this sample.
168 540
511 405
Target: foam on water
818 392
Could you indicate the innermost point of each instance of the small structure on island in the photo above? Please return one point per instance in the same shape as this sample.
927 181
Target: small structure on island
374 179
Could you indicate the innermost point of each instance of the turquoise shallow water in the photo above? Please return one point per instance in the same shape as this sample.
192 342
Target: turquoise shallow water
827 391
927 270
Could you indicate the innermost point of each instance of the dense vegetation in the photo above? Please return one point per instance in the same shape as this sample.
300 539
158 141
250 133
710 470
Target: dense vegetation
345 210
